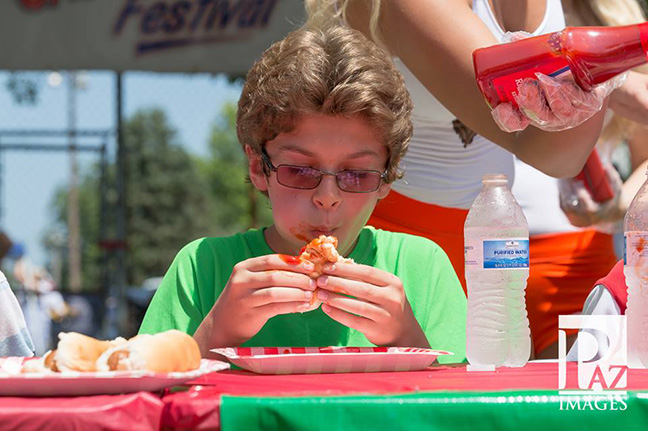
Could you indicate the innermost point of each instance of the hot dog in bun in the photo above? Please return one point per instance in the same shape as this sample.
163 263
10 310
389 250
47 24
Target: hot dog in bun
320 251
170 351
74 352
164 352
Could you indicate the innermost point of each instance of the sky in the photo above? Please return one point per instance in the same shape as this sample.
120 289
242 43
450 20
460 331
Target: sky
28 179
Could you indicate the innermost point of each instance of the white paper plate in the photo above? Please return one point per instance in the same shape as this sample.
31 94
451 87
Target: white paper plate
92 383
309 360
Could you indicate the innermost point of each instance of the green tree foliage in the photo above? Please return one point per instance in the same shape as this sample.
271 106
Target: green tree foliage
171 198
24 87
237 206
167 200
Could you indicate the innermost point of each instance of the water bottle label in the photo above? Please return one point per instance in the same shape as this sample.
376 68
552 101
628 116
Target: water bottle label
635 248
509 253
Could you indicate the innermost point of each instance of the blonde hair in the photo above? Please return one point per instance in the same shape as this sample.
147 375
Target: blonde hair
334 70
617 12
322 13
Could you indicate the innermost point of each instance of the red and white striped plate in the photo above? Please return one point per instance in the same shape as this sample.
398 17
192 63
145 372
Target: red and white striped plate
310 360
12 383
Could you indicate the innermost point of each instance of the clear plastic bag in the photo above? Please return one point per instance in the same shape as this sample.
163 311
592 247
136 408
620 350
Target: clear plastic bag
551 103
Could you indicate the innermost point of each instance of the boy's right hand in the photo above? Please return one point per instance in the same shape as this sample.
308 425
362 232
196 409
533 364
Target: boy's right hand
259 288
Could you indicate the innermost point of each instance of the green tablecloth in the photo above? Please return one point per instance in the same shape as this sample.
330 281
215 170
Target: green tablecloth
456 411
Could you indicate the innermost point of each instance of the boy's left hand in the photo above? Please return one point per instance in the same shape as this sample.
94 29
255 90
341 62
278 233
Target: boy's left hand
376 305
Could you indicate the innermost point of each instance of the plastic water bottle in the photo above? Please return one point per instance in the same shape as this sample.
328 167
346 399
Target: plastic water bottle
635 268
496 239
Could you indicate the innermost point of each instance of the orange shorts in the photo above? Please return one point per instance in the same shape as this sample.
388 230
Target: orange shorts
563 270
398 213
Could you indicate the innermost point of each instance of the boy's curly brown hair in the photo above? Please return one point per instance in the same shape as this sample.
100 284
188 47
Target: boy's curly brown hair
332 71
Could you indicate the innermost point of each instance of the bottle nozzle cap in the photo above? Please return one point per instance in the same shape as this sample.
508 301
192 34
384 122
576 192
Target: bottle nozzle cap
495 178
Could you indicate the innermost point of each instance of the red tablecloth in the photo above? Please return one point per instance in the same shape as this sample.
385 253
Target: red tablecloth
198 408
134 412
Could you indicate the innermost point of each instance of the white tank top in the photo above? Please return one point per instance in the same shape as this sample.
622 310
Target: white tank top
439 169
538 196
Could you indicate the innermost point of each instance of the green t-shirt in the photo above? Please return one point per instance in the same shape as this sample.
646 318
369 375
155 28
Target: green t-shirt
201 270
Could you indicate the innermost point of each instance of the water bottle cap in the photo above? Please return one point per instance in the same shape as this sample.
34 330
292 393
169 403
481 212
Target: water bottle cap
495 179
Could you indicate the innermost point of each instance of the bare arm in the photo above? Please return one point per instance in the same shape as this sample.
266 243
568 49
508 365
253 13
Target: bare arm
638 144
435 39
631 99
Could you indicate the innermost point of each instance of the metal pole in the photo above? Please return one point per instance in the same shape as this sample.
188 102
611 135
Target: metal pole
116 312
121 209
103 222
74 237
50 147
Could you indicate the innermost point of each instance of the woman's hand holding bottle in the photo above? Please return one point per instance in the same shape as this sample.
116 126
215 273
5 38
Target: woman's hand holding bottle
552 103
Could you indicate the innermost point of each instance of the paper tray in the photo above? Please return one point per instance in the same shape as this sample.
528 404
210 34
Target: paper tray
308 360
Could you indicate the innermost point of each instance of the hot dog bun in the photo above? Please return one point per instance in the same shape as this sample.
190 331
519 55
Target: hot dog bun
37 365
78 352
75 352
170 351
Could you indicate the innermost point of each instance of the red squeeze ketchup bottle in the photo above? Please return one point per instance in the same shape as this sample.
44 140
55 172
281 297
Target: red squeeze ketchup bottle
591 54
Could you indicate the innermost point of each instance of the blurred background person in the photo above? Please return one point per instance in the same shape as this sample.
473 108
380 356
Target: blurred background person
40 299
14 336
5 246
